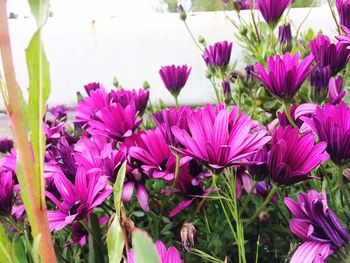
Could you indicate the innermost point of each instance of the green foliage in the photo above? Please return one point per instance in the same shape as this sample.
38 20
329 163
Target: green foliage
143 246
6 255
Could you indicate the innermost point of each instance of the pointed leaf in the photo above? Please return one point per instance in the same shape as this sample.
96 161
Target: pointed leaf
40 10
5 248
144 248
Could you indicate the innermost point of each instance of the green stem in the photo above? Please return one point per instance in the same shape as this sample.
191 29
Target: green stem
12 222
333 15
267 200
215 89
252 3
176 101
193 38
289 117
248 197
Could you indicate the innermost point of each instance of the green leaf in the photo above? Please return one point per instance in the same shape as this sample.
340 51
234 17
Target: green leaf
115 238
39 90
144 248
5 248
40 11
19 249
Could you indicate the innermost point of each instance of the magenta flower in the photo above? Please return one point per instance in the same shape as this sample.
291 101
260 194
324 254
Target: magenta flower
292 156
336 92
344 39
170 255
174 78
241 5
168 118
284 75
6 192
6 145
218 138
285 34
319 83
76 200
125 97
326 53
272 10
218 55
114 121
343 7
317 225
332 125
259 170
92 86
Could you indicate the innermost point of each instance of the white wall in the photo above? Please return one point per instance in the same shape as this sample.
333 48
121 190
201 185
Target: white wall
133 47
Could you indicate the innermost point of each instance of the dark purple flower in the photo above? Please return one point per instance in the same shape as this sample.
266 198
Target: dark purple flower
182 12
272 10
92 86
285 34
243 181
263 189
317 225
259 170
6 192
326 53
319 84
59 112
344 39
174 78
170 117
226 90
241 5
218 55
77 200
343 7
114 121
6 145
293 156
336 92
218 138
125 97
284 75
332 125
170 255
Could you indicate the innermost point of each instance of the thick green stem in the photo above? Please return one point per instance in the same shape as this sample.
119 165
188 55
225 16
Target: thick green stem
289 117
267 200
36 209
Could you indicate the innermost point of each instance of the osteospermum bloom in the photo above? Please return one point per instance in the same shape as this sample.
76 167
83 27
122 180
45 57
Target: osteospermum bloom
343 7
168 118
292 156
332 125
170 255
76 200
329 54
284 76
92 86
336 92
174 78
125 97
285 34
6 145
272 10
218 55
218 138
319 83
6 192
317 225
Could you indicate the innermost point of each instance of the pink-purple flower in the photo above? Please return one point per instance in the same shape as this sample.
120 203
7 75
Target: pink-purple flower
174 78
126 97
284 76
293 156
336 92
218 55
6 192
272 10
170 255
343 7
317 225
219 138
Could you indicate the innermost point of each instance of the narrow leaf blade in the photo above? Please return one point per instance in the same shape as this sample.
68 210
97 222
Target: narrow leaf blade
144 248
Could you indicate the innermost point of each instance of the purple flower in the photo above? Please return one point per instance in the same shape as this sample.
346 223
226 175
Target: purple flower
92 86
332 125
76 200
6 192
319 83
125 97
59 112
218 55
336 92
218 138
285 75
168 118
293 156
174 78
344 39
326 53
6 145
317 225
259 170
263 189
226 90
170 255
272 10
285 34
114 121
241 5
343 7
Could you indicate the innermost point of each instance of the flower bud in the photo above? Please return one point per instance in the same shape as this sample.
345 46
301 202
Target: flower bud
182 12
264 216
146 85
188 236
226 89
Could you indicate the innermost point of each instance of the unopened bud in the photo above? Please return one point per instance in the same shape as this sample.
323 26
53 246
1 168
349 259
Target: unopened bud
188 236
182 12
146 85
264 216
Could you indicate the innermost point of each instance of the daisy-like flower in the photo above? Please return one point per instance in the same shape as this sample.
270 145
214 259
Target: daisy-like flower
292 156
336 92
343 7
219 138
272 10
174 78
218 55
317 225
284 76
76 201
125 97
